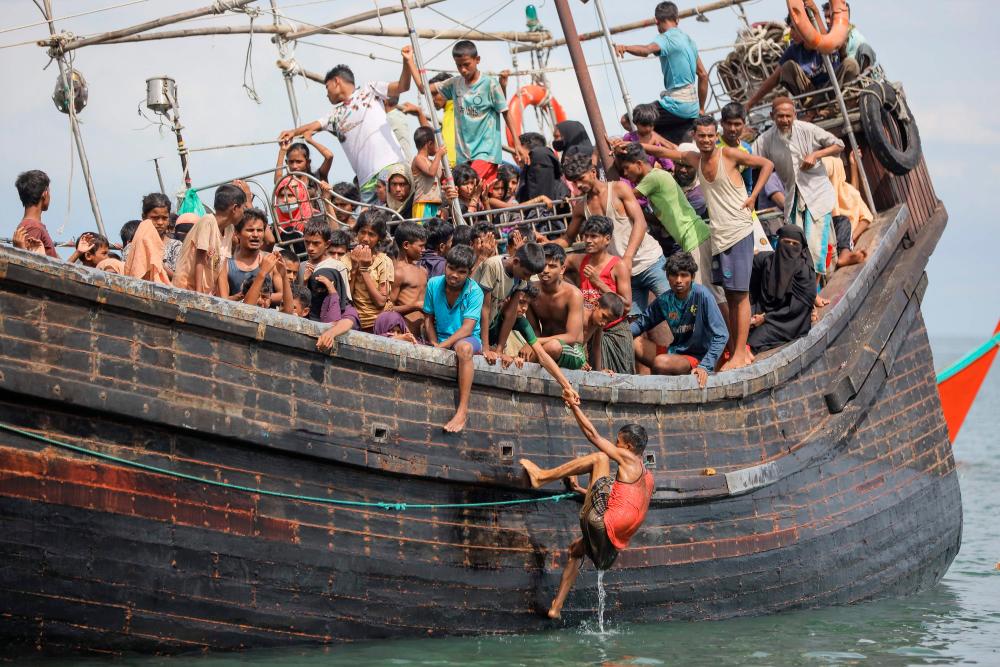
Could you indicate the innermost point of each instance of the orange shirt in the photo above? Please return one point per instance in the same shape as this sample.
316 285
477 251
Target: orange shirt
627 507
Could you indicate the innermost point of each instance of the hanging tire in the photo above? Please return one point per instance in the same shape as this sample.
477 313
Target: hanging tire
889 128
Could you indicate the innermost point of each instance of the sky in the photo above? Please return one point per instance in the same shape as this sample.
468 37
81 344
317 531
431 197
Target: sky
950 91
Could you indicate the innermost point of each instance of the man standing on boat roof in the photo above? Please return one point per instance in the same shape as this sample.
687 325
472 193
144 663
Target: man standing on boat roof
682 100
359 122
614 507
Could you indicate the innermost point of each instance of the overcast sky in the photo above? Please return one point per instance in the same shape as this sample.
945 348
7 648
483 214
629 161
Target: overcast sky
950 88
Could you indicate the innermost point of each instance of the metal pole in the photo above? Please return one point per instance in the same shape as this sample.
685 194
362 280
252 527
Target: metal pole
586 85
418 57
74 124
159 175
848 128
599 5
282 45
181 148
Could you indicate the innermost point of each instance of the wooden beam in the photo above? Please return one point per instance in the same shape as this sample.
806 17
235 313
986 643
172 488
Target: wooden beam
285 66
634 25
358 18
217 7
430 33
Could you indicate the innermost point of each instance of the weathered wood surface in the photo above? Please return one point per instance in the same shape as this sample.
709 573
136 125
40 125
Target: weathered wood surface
811 505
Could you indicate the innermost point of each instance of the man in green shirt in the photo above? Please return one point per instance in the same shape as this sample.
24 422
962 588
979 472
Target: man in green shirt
672 209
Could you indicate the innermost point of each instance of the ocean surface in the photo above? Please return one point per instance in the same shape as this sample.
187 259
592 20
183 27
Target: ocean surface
956 623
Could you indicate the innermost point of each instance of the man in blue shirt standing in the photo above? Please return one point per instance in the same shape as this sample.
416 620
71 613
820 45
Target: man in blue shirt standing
685 79
694 318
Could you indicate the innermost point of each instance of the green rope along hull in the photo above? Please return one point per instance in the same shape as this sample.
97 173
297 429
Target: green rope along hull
968 359
383 505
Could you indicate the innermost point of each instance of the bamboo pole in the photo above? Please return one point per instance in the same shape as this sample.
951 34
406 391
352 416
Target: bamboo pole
424 85
218 7
287 65
356 30
358 18
586 85
66 76
635 25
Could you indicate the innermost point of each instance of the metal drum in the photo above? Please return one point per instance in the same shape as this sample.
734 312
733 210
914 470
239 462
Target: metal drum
159 91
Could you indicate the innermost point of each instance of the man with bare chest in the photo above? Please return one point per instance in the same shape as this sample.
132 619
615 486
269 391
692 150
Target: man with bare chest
557 313
407 295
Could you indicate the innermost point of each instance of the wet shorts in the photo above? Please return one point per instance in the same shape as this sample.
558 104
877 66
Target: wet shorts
573 357
731 268
598 545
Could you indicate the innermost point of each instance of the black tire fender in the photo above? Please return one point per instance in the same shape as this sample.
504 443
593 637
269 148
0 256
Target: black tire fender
889 128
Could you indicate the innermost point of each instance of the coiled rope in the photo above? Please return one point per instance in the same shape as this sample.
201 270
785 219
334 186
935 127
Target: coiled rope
382 505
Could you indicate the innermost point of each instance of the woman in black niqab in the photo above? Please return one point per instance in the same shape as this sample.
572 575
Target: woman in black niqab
783 291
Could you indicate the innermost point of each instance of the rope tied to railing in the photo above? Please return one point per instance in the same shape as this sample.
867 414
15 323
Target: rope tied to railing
396 506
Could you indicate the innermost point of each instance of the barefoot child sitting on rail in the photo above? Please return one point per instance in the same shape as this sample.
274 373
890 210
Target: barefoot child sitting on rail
614 507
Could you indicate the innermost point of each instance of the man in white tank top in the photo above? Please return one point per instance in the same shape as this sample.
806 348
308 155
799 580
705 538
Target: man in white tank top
630 240
730 211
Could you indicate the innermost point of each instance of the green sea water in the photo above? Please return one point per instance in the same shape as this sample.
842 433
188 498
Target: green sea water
956 623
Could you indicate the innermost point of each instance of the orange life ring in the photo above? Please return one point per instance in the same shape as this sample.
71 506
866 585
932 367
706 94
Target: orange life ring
534 95
824 42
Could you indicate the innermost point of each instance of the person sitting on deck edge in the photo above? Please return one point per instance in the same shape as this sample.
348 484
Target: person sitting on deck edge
614 508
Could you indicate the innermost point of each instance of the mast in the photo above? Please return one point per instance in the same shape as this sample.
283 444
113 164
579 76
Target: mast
418 58
74 124
586 85
616 62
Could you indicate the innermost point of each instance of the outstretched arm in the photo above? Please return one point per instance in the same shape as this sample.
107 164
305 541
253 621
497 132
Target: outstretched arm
591 433
766 86
549 364
288 135
637 50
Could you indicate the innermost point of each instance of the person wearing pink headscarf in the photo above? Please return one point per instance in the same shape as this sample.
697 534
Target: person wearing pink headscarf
292 206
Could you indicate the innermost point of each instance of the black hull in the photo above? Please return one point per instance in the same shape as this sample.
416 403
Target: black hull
835 480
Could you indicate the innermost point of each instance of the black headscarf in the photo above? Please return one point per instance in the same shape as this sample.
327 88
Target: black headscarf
574 138
787 271
319 293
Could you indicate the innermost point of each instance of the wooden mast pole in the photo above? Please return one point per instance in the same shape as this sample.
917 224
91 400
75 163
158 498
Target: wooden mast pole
586 85
217 7
424 85
615 61
286 73
66 77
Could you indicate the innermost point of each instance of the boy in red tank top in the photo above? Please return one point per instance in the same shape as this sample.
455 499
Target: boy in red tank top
614 507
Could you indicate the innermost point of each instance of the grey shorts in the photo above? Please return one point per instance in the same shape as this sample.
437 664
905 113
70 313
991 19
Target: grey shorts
731 267
599 548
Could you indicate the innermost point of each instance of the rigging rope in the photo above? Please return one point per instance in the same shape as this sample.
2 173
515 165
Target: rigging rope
72 16
383 505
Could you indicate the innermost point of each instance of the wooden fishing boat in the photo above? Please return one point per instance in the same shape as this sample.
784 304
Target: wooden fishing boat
180 472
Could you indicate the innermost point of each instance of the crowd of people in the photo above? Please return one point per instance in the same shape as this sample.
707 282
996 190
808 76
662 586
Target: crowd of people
670 267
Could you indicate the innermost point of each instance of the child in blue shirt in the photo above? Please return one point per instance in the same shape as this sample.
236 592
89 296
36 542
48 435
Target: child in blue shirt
694 318
453 306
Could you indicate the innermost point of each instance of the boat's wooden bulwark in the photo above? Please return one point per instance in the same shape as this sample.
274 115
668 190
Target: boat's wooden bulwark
834 478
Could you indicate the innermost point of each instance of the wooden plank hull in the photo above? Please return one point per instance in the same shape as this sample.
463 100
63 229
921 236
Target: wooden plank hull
835 480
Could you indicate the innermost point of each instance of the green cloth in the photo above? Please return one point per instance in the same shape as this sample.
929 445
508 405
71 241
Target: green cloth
191 204
573 357
673 209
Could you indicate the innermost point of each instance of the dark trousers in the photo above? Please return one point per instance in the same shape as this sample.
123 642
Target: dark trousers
671 127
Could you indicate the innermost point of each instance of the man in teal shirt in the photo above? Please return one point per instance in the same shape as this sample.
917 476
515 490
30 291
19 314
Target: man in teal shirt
685 79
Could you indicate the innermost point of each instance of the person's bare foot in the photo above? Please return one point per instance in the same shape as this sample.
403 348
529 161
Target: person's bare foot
851 257
534 472
738 360
814 317
821 302
555 613
457 422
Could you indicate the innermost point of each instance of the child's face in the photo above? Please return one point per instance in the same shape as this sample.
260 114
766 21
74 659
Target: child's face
300 310
264 300
643 130
432 148
512 186
680 282
292 270
96 256
601 317
315 247
380 191
496 189
595 243
160 217
467 66
467 191
399 188
439 101
413 249
522 303
337 251
455 276
297 161
366 236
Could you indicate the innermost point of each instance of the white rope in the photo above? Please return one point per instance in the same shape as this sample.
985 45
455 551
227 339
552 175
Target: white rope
73 16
